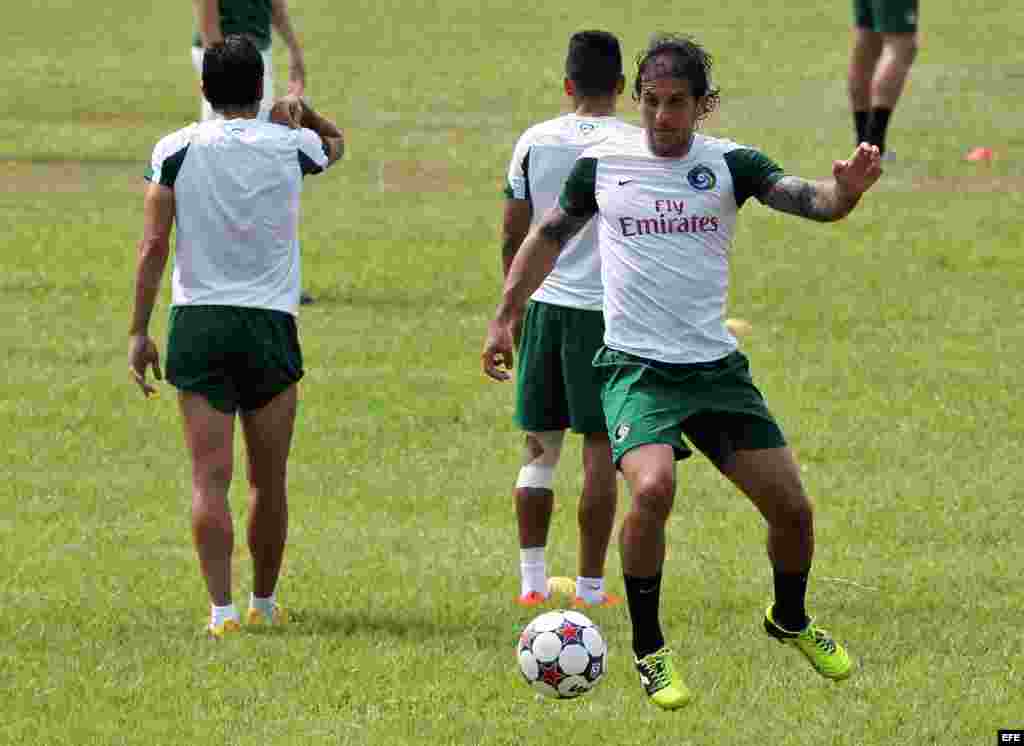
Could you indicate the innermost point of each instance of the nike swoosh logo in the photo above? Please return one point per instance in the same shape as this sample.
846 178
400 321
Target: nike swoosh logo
623 182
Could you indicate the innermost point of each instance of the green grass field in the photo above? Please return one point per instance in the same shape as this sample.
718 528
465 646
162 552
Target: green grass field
888 345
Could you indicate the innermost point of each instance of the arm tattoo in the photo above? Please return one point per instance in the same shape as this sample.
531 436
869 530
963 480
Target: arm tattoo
797 197
559 226
808 199
509 246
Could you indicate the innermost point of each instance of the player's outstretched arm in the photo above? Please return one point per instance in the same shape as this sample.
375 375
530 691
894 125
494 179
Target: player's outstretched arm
532 263
826 201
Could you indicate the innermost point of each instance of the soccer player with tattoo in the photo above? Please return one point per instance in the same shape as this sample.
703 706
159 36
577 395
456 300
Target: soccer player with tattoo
557 387
666 205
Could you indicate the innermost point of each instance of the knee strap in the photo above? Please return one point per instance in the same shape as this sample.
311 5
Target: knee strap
538 471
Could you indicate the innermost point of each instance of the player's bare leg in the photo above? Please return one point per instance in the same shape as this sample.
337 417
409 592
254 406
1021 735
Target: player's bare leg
535 501
898 53
771 479
208 437
650 472
268 436
867 48
596 518
534 505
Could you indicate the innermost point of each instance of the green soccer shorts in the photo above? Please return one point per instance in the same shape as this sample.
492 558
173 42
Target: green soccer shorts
557 386
238 358
715 405
886 16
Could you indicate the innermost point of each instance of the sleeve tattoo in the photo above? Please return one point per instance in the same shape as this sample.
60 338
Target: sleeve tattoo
808 199
559 226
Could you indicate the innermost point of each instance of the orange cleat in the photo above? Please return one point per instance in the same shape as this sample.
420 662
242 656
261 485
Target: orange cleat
609 600
531 599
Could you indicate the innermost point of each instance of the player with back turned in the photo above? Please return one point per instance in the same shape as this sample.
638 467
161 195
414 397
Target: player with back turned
666 205
230 187
256 19
557 388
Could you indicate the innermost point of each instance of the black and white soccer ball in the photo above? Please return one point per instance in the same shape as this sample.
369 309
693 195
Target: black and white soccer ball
562 654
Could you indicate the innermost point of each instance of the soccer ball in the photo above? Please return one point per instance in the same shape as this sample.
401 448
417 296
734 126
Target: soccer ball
562 654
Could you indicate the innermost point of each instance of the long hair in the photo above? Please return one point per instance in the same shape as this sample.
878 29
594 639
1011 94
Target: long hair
687 60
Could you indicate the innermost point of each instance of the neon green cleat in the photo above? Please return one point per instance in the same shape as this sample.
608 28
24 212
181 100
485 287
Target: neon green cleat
255 617
227 627
660 680
827 656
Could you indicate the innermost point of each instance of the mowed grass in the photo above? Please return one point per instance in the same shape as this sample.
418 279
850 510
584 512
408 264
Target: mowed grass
888 345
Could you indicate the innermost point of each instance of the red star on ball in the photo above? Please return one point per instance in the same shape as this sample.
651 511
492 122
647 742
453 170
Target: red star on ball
570 633
550 674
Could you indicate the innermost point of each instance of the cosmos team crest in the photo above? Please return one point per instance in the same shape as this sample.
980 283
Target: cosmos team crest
701 178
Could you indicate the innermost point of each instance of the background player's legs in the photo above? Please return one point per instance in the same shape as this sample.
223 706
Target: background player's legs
650 472
595 515
535 501
268 436
770 477
867 48
898 53
208 437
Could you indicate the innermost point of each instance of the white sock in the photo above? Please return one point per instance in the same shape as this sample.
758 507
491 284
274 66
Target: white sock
220 614
264 605
532 571
590 590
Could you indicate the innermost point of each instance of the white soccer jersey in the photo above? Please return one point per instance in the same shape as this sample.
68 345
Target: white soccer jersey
236 187
665 227
541 161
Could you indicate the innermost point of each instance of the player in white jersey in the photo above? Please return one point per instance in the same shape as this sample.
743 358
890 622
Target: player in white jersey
232 186
215 19
557 387
666 206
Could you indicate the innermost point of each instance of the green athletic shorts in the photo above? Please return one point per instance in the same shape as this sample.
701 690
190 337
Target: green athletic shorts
715 405
238 358
557 386
886 16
